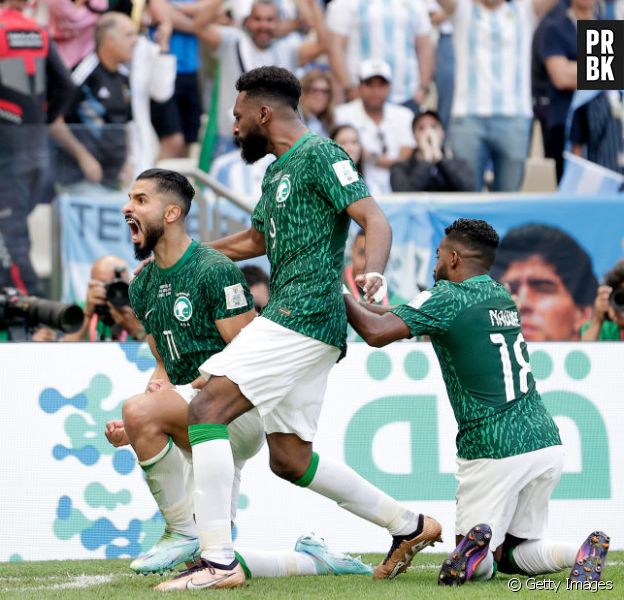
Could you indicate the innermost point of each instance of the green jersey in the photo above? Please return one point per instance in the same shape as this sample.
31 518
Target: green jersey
302 215
475 330
179 305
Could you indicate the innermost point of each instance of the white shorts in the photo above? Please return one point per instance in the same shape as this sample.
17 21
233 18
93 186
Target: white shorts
283 373
246 433
510 494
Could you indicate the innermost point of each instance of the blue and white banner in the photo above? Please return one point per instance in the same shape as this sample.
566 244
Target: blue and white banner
563 231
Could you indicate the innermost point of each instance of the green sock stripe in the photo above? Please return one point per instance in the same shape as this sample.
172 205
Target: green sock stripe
306 479
158 457
494 569
206 432
243 564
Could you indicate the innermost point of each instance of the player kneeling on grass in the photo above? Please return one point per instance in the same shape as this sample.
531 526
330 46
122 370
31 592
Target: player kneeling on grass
509 452
191 301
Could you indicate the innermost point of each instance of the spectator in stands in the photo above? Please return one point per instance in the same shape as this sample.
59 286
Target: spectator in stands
551 275
95 147
392 30
72 27
444 73
35 88
316 101
258 283
152 77
491 114
607 322
177 120
256 45
348 139
102 320
428 169
384 128
559 53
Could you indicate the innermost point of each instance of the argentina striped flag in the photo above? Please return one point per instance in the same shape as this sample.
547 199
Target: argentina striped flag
581 176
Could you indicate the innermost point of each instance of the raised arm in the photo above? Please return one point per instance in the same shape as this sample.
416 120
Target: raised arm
378 235
312 13
239 246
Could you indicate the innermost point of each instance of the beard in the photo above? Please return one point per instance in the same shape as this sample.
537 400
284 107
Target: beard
151 235
440 274
253 146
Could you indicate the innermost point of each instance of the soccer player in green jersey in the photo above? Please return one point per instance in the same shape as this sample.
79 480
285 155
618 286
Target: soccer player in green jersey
509 453
192 301
279 363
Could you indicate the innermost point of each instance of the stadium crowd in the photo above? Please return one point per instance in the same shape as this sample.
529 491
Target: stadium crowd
424 96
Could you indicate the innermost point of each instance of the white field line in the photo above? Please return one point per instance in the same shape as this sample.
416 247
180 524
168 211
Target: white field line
66 582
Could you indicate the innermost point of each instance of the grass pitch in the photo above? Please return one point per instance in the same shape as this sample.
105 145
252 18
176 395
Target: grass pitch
112 580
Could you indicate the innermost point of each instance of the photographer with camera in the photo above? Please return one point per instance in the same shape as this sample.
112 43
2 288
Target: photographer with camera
32 319
607 322
107 312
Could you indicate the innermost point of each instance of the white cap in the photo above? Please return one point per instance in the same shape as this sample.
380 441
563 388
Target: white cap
374 67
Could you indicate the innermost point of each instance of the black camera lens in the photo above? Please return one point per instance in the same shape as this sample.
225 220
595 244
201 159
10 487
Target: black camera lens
117 293
617 300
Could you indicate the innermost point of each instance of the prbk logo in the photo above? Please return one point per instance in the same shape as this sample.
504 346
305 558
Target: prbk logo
600 63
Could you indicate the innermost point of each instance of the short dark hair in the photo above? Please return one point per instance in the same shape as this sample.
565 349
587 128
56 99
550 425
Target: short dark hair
477 235
559 249
255 275
271 83
615 277
426 113
174 183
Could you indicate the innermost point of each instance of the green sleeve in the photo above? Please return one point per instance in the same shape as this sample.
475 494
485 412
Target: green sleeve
432 312
136 295
609 331
335 177
257 217
227 291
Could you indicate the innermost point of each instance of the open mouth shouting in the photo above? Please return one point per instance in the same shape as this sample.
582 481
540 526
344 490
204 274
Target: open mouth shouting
135 229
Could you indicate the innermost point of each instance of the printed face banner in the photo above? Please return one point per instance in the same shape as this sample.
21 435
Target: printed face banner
65 493
554 249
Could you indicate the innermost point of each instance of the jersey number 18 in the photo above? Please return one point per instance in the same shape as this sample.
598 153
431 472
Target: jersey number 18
521 366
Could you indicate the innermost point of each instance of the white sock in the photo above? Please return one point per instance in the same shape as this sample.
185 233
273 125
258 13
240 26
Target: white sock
238 465
544 556
343 485
213 467
485 569
169 478
279 563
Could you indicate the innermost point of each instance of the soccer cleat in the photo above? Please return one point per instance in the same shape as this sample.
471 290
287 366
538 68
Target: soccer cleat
460 564
205 576
169 551
335 562
404 548
591 558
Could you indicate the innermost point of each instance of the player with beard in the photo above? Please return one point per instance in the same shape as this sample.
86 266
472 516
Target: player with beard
192 301
278 364
509 453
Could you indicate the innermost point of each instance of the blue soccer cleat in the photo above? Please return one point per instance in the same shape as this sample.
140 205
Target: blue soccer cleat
169 551
334 562
591 558
460 565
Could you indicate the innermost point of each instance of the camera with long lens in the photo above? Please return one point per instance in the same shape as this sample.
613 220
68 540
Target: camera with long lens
117 294
27 312
616 300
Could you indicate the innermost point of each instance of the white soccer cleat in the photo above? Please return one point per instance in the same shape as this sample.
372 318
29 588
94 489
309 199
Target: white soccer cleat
335 562
205 576
169 551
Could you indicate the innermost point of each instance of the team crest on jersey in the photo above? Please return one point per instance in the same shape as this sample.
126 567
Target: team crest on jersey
283 189
183 309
